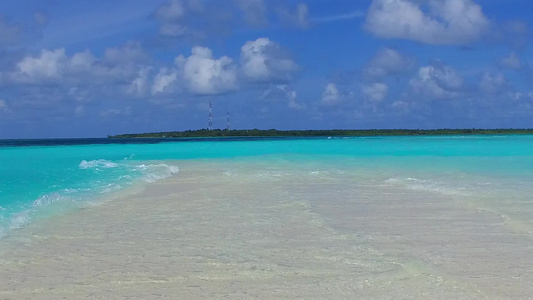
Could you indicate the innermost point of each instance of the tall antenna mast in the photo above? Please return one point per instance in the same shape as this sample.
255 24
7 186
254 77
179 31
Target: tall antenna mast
227 122
210 118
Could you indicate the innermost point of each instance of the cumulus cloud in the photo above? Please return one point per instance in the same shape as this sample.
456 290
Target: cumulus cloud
400 106
264 61
163 80
170 15
139 85
49 64
78 94
448 22
55 75
387 62
375 92
206 75
283 92
117 64
291 96
82 61
437 81
493 83
331 95
191 18
131 52
254 11
170 11
512 62
127 71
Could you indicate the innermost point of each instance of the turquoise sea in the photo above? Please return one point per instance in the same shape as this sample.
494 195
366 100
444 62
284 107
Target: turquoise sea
43 178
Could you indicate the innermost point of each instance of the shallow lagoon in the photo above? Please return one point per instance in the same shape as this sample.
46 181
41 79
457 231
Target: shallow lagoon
382 217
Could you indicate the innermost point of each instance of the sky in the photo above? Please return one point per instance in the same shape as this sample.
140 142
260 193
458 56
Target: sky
102 67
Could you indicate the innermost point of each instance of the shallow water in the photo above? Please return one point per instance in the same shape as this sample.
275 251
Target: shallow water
376 218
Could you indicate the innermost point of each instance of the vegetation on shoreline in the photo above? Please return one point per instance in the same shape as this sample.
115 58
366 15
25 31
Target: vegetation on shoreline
317 133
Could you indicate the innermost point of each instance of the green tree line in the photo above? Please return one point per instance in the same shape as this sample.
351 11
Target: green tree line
317 133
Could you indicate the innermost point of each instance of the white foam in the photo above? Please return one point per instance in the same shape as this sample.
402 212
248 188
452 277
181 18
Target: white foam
428 185
145 172
96 164
19 219
111 187
129 157
157 171
47 199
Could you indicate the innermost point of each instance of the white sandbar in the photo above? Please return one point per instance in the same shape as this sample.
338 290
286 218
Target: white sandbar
216 231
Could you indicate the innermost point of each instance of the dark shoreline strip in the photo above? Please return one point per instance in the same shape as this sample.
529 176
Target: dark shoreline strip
320 133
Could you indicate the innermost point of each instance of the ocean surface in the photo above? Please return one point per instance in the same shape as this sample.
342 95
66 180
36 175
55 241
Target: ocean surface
44 177
433 217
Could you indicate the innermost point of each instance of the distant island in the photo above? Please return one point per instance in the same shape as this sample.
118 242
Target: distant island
317 133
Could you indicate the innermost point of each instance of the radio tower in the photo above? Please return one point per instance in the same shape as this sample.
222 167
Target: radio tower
210 118
227 122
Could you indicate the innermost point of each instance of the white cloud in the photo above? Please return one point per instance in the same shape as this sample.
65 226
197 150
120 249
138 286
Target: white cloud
80 68
170 11
437 82
291 95
375 92
82 77
163 80
331 95
173 29
131 52
264 61
50 64
283 92
302 13
299 17
206 75
78 95
512 62
170 16
400 106
449 22
254 11
139 85
492 84
82 61
175 16
118 65
387 62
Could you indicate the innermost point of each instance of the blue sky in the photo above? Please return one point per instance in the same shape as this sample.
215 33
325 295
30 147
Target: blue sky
92 68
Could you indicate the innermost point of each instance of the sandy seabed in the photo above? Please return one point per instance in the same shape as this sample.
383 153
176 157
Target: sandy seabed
216 231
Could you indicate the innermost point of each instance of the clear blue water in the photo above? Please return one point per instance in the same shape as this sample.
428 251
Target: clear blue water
43 176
